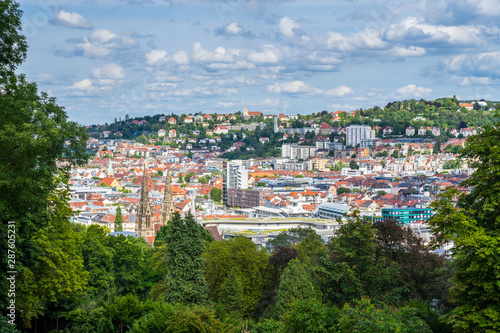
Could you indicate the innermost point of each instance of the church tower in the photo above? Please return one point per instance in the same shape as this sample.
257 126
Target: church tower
167 206
110 169
144 226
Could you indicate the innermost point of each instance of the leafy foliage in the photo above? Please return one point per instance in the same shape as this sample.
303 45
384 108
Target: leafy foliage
247 261
295 284
185 279
472 224
365 317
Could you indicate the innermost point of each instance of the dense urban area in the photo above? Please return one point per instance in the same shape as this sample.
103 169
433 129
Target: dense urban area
370 220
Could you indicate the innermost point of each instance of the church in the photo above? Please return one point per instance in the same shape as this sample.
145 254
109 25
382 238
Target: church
145 226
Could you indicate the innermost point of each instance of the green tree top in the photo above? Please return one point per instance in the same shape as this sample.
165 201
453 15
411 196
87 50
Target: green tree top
13 46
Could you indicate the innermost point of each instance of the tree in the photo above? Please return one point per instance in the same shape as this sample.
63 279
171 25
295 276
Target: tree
353 165
188 177
295 284
365 317
118 219
216 194
13 47
471 222
291 237
180 180
98 260
339 166
354 269
231 296
420 272
57 273
37 147
185 280
343 190
248 262
203 180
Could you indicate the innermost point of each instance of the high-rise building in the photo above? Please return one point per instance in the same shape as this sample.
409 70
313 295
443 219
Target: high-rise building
357 133
294 151
235 175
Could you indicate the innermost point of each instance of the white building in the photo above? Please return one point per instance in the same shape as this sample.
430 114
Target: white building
356 133
294 151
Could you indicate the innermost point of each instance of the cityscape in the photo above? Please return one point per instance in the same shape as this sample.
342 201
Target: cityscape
249 166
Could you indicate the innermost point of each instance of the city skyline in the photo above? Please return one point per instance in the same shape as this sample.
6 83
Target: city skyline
102 61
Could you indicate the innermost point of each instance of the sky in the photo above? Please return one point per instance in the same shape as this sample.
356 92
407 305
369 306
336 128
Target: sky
105 59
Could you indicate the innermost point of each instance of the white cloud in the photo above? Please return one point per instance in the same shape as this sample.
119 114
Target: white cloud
412 91
288 26
180 58
74 20
478 65
220 54
487 7
411 51
340 91
293 87
85 84
233 29
234 66
412 29
109 71
224 104
156 57
366 39
268 54
102 42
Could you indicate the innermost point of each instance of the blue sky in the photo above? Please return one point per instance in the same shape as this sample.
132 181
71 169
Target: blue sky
105 59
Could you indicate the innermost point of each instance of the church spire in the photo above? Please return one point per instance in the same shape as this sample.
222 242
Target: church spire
144 225
110 169
144 190
168 206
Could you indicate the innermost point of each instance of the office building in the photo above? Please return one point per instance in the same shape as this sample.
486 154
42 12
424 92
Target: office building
357 133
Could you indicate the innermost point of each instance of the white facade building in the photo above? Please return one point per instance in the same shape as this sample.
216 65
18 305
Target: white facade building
357 133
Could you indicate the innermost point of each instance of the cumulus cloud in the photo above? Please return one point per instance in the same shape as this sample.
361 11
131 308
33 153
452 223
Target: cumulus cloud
180 58
340 91
156 57
74 20
412 91
85 84
365 39
485 64
410 51
220 54
293 87
233 29
268 54
225 104
411 37
109 71
101 43
234 66
288 27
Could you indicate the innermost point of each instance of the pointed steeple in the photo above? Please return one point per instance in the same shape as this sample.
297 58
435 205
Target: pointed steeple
144 190
110 169
144 226
167 206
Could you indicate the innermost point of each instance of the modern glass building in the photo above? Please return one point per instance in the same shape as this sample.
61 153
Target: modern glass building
407 215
